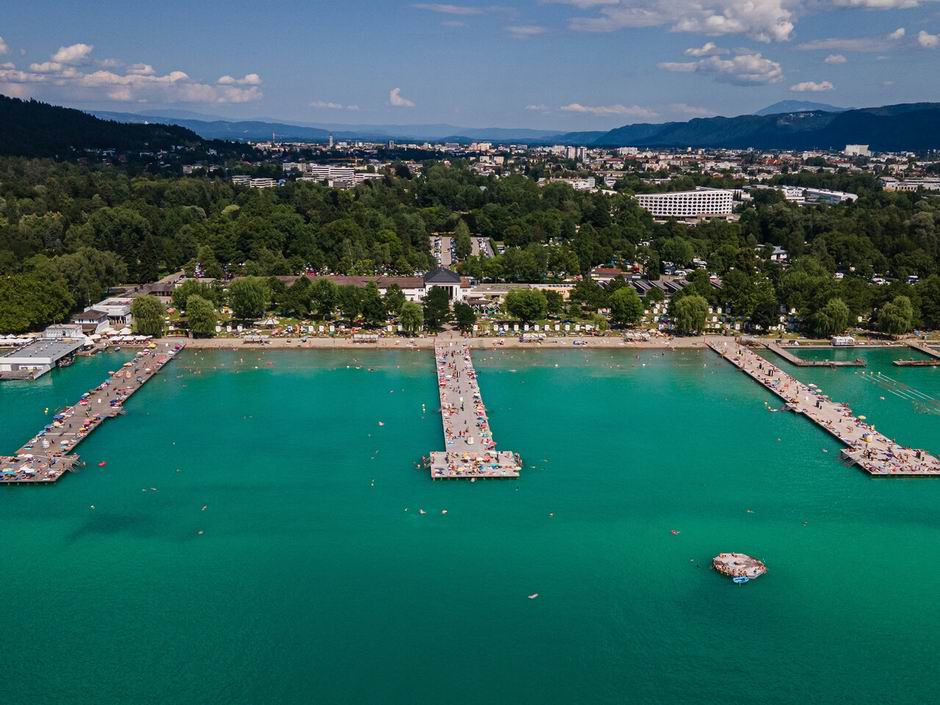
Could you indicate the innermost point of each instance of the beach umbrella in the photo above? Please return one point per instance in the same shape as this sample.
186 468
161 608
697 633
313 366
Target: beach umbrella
862 418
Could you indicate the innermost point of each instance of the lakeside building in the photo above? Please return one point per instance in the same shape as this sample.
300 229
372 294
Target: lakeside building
414 288
56 344
701 203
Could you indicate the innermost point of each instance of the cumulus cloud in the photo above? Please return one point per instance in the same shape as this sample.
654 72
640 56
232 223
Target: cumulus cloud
397 100
811 87
4 47
524 31
249 79
637 111
897 34
741 70
888 42
928 41
330 105
763 20
835 59
707 49
68 75
73 54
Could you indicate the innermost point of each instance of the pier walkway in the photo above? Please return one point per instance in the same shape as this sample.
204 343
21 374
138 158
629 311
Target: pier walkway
47 455
874 452
470 448
924 348
800 362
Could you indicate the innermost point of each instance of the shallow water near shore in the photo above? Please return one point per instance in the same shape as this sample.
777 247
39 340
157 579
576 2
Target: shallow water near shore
256 537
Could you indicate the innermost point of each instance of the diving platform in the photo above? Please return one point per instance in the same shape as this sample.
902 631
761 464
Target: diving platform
48 454
470 449
871 450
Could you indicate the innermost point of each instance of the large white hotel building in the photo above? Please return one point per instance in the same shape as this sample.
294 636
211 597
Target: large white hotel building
701 203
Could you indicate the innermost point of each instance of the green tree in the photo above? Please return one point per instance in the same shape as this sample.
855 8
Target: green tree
556 302
324 296
394 299
689 313
896 317
411 318
189 287
201 316
248 298
626 307
349 301
463 245
465 316
526 304
831 319
148 313
372 305
436 308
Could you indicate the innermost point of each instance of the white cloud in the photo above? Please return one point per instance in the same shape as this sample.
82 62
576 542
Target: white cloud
637 111
67 76
446 9
4 47
811 87
897 34
249 79
928 41
741 70
707 49
73 54
763 20
141 70
397 100
330 105
878 4
835 59
693 110
525 31
538 108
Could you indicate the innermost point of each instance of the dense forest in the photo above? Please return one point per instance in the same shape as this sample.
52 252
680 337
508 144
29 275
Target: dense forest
35 129
68 232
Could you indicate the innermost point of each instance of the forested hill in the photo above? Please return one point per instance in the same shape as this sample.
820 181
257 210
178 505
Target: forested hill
914 126
34 129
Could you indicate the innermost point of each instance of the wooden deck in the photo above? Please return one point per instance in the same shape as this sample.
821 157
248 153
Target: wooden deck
872 451
48 454
470 448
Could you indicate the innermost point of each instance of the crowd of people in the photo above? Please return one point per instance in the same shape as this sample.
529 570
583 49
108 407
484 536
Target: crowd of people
873 451
44 458
470 448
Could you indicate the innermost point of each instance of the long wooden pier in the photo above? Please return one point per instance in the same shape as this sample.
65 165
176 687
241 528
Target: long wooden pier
872 451
800 362
47 455
470 448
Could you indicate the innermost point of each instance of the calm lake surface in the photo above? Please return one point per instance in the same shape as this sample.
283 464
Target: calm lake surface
256 538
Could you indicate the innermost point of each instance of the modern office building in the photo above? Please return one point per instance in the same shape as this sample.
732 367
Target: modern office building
701 203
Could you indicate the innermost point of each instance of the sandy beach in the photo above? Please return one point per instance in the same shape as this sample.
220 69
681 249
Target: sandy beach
427 343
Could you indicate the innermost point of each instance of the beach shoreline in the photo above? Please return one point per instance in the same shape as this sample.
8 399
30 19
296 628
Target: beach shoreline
427 343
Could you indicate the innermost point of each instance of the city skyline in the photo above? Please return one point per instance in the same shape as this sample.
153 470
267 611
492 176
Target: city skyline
554 64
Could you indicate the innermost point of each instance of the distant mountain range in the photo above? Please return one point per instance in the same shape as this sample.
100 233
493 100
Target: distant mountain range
32 128
911 126
799 106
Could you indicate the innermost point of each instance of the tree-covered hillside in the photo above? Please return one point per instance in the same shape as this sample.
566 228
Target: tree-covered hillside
34 129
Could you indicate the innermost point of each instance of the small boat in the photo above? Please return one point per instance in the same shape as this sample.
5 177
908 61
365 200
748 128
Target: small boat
740 579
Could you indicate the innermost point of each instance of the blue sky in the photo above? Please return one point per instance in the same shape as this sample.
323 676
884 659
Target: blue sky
552 64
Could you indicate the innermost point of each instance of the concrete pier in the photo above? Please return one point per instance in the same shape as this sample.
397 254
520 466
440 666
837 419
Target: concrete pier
924 348
800 362
470 448
872 451
47 455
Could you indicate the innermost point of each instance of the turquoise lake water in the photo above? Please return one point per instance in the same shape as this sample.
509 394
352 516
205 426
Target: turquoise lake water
316 580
